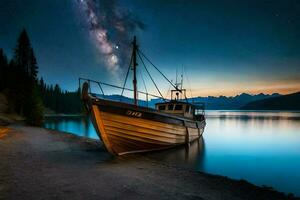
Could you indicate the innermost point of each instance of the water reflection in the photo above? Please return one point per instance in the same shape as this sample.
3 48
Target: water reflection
73 124
254 115
261 147
191 156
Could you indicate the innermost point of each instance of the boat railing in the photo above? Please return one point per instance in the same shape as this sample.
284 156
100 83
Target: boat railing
105 95
199 108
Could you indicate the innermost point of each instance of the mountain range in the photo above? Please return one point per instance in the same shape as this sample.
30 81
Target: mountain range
231 103
211 102
284 102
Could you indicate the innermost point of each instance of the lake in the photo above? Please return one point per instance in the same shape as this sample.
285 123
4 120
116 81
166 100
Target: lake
260 147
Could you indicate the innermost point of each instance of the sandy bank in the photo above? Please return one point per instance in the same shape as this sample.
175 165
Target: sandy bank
36 163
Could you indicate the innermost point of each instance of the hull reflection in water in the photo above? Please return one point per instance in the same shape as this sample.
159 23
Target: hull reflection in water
190 156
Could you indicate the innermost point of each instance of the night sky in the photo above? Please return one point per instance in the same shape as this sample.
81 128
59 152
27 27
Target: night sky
226 47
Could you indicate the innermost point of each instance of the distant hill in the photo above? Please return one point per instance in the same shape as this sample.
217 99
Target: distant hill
231 103
211 103
284 102
117 97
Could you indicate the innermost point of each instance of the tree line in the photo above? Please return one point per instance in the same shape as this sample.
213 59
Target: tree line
27 95
58 100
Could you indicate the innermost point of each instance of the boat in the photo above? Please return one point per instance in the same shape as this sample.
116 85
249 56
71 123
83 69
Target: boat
128 127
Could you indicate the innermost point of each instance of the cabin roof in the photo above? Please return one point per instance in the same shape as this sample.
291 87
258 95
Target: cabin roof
196 106
174 102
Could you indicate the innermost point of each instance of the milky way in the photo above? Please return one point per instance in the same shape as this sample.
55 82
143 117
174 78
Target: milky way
112 27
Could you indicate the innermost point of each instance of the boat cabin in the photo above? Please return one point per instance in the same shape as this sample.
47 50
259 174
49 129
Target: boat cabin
176 108
180 108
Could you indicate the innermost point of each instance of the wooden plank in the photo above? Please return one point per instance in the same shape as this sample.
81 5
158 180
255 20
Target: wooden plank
143 123
125 146
136 138
124 132
193 131
132 127
99 124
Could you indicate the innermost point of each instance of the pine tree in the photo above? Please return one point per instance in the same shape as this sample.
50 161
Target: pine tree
3 70
33 68
34 108
42 87
24 86
22 55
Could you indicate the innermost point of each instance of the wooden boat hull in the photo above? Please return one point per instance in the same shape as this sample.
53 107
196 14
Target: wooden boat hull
125 128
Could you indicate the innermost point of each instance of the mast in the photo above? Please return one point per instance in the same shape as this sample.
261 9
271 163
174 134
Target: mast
134 50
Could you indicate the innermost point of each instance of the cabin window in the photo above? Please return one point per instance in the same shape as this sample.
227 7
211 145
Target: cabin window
162 107
198 112
178 107
170 106
187 108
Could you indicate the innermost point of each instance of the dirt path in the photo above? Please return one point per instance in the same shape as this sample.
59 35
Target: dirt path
36 163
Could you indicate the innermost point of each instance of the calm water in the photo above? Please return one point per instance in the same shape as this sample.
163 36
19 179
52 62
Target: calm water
261 147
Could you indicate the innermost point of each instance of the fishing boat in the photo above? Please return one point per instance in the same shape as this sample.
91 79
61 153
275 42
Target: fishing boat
128 127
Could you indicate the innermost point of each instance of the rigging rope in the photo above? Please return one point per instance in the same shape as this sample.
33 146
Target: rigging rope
126 77
144 86
138 53
168 91
158 70
143 81
190 87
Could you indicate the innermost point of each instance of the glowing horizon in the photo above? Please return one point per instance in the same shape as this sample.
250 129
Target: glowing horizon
251 88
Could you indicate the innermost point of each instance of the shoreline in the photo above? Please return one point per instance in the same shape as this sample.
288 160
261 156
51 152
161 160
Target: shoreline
63 115
37 163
